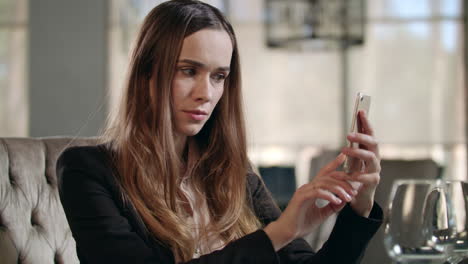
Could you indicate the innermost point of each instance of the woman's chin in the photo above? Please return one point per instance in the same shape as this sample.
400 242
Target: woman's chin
191 130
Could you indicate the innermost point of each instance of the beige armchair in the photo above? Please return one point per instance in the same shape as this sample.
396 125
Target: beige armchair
33 227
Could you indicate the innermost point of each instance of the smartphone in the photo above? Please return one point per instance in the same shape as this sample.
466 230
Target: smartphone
351 164
362 103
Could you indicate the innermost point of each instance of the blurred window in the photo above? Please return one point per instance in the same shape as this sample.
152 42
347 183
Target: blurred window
411 63
13 77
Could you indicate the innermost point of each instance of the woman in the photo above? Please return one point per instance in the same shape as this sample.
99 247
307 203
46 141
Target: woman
172 182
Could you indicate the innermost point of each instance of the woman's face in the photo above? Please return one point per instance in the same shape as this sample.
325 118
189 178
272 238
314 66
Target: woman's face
198 84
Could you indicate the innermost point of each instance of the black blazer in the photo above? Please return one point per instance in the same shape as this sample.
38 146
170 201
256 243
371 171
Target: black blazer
107 230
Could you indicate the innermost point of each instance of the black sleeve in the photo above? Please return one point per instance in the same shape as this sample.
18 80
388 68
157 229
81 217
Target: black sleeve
346 244
104 235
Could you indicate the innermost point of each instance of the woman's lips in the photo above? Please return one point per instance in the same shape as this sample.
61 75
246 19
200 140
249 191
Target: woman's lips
196 115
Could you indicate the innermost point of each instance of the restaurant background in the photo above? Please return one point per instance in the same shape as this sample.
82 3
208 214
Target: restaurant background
63 64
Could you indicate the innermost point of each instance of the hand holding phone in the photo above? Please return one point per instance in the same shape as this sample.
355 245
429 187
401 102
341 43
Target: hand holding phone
362 103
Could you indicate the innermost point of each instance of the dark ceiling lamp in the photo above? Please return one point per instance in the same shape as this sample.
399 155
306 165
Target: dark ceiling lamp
301 23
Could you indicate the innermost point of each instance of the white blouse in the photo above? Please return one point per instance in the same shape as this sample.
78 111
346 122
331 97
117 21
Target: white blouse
199 219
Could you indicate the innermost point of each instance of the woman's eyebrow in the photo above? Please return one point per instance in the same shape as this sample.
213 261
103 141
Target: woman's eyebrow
202 65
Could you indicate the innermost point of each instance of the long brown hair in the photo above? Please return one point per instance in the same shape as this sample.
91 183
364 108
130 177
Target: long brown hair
141 135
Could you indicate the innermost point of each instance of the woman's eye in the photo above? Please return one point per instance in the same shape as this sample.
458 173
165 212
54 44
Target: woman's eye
188 71
219 77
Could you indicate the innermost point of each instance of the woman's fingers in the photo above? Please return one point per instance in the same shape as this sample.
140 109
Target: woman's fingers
372 179
339 188
341 176
366 138
334 208
339 180
333 165
366 126
328 196
307 194
369 157
367 141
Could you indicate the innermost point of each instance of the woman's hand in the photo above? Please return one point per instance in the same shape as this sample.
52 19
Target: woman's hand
367 180
302 214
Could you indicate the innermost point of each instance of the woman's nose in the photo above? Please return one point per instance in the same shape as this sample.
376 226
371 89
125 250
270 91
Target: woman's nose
203 89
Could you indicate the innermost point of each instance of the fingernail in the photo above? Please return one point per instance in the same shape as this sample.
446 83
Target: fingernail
338 200
348 198
341 157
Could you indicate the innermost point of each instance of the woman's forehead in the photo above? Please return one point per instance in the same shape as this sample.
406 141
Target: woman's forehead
211 47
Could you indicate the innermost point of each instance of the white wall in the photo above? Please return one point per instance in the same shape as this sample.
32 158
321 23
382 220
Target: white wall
67 66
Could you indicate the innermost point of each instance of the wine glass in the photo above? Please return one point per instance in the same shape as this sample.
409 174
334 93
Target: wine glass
419 222
458 193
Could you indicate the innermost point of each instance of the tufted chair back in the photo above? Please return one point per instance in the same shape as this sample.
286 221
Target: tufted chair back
33 227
